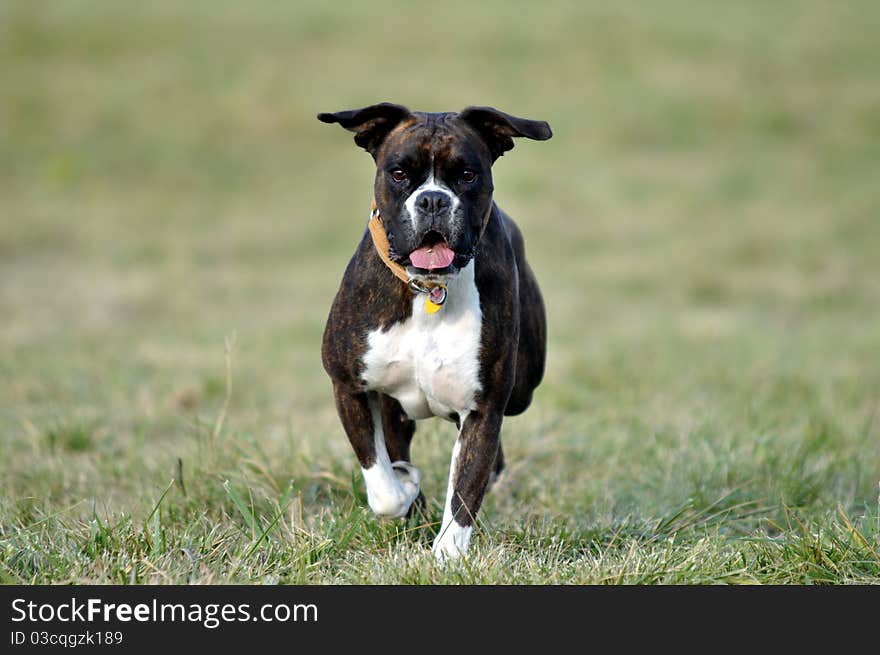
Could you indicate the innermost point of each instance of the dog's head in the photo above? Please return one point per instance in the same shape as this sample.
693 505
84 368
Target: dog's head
433 181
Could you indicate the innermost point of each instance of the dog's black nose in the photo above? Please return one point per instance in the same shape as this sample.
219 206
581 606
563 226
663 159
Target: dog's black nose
433 202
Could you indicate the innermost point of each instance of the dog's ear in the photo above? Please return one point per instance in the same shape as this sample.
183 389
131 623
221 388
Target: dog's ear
370 124
498 129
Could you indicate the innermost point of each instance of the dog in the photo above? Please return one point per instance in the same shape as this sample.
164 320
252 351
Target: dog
438 312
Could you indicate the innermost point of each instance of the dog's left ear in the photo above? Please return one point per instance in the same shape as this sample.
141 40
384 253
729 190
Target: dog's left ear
370 124
498 129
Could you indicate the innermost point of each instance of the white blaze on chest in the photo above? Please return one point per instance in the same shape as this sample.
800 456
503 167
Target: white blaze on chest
430 362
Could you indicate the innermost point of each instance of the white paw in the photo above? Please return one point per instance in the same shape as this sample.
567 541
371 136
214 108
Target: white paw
409 478
390 494
452 542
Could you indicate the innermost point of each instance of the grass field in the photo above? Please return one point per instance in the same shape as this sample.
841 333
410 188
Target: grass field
705 223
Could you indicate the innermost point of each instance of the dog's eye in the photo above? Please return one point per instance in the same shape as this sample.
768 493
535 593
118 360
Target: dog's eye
468 176
398 175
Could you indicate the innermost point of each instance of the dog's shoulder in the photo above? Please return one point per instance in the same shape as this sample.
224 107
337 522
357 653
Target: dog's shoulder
368 298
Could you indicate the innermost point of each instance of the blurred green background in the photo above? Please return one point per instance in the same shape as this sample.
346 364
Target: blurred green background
704 224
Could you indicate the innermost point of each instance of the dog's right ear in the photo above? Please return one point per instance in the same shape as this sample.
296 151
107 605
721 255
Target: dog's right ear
370 124
498 128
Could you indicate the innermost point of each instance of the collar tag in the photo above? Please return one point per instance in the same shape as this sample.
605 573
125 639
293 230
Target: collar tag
436 298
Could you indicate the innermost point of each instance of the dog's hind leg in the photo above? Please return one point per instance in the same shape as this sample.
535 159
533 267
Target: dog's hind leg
497 468
398 428
392 486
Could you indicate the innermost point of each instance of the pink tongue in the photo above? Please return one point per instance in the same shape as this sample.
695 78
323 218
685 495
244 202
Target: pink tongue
430 257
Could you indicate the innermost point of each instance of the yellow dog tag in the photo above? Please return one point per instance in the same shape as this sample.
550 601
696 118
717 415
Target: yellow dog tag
436 298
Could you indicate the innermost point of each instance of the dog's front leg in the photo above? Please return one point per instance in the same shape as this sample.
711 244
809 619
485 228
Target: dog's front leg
391 486
473 460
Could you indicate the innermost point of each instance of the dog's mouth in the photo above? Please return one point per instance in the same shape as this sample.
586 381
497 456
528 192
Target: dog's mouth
434 255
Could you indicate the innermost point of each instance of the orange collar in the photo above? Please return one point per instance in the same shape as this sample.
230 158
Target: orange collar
380 242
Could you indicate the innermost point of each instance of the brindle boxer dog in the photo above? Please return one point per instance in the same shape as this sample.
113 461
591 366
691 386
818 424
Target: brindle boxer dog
438 313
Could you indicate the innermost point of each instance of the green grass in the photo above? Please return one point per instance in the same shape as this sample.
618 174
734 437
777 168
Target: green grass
174 223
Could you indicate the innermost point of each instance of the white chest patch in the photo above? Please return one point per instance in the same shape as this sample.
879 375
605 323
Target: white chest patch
430 362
